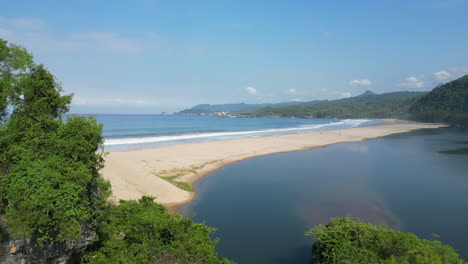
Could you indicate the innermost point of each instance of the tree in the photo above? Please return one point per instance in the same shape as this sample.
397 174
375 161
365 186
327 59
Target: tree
350 241
15 62
48 168
143 232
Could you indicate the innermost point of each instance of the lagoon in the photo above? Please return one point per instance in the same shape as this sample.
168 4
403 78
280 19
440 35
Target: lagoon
414 182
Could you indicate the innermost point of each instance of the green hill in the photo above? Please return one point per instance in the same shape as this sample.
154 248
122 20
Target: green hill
367 105
446 103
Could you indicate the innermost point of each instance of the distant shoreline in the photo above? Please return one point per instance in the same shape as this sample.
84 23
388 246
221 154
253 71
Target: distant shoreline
156 171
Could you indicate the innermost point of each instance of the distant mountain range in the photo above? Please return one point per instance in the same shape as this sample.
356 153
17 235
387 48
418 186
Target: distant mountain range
261 109
445 103
231 108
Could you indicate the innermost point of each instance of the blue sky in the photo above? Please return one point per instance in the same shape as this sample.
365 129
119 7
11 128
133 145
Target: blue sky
154 56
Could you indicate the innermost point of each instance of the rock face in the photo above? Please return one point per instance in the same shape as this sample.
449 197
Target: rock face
20 250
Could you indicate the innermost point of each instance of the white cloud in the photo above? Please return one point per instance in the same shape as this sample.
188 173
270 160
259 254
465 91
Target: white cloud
340 94
297 100
108 40
251 90
442 76
79 101
326 33
450 74
363 82
34 34
291 91
4 33
112 101
28 23
412 82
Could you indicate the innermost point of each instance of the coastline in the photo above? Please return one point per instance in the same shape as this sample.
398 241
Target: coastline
154 171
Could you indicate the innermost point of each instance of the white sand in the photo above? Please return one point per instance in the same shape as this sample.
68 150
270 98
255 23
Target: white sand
134 173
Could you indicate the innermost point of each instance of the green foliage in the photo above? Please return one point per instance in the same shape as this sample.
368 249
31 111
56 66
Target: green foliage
48 168
144 232
15 62
181 185
350 241
451 97
50 189
446 103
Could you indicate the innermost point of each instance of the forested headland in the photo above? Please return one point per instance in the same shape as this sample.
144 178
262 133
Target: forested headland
445 103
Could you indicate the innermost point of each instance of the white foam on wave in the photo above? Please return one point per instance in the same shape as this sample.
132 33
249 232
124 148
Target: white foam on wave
348 123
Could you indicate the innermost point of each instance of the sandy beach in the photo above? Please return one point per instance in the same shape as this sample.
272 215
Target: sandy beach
156 171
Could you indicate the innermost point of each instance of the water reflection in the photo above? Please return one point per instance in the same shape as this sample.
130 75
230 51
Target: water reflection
262 206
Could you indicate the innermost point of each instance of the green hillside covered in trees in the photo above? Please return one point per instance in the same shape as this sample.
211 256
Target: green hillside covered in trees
446 103
368 105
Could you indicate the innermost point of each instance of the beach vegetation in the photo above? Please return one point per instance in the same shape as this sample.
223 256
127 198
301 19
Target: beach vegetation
350 241
173 174
144 232
181 185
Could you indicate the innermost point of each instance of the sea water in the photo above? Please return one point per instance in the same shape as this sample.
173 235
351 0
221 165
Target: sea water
138 131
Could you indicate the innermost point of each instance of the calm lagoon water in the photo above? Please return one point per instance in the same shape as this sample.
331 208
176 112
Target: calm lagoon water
415 182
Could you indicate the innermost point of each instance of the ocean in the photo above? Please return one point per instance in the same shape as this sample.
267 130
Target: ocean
139 131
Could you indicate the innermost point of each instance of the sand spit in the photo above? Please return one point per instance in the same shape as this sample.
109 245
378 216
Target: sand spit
164 172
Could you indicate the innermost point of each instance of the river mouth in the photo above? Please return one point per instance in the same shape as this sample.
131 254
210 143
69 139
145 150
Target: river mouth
262 206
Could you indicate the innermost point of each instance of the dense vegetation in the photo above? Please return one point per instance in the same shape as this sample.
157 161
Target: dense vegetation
350 241
49 168
368 105
143 232
50 188
446 103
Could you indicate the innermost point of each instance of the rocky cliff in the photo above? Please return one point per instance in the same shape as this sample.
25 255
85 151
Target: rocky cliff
21 250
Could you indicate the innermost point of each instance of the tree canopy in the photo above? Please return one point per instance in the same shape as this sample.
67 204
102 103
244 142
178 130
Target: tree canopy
351 241
49 168
15 62
143 232
446 103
